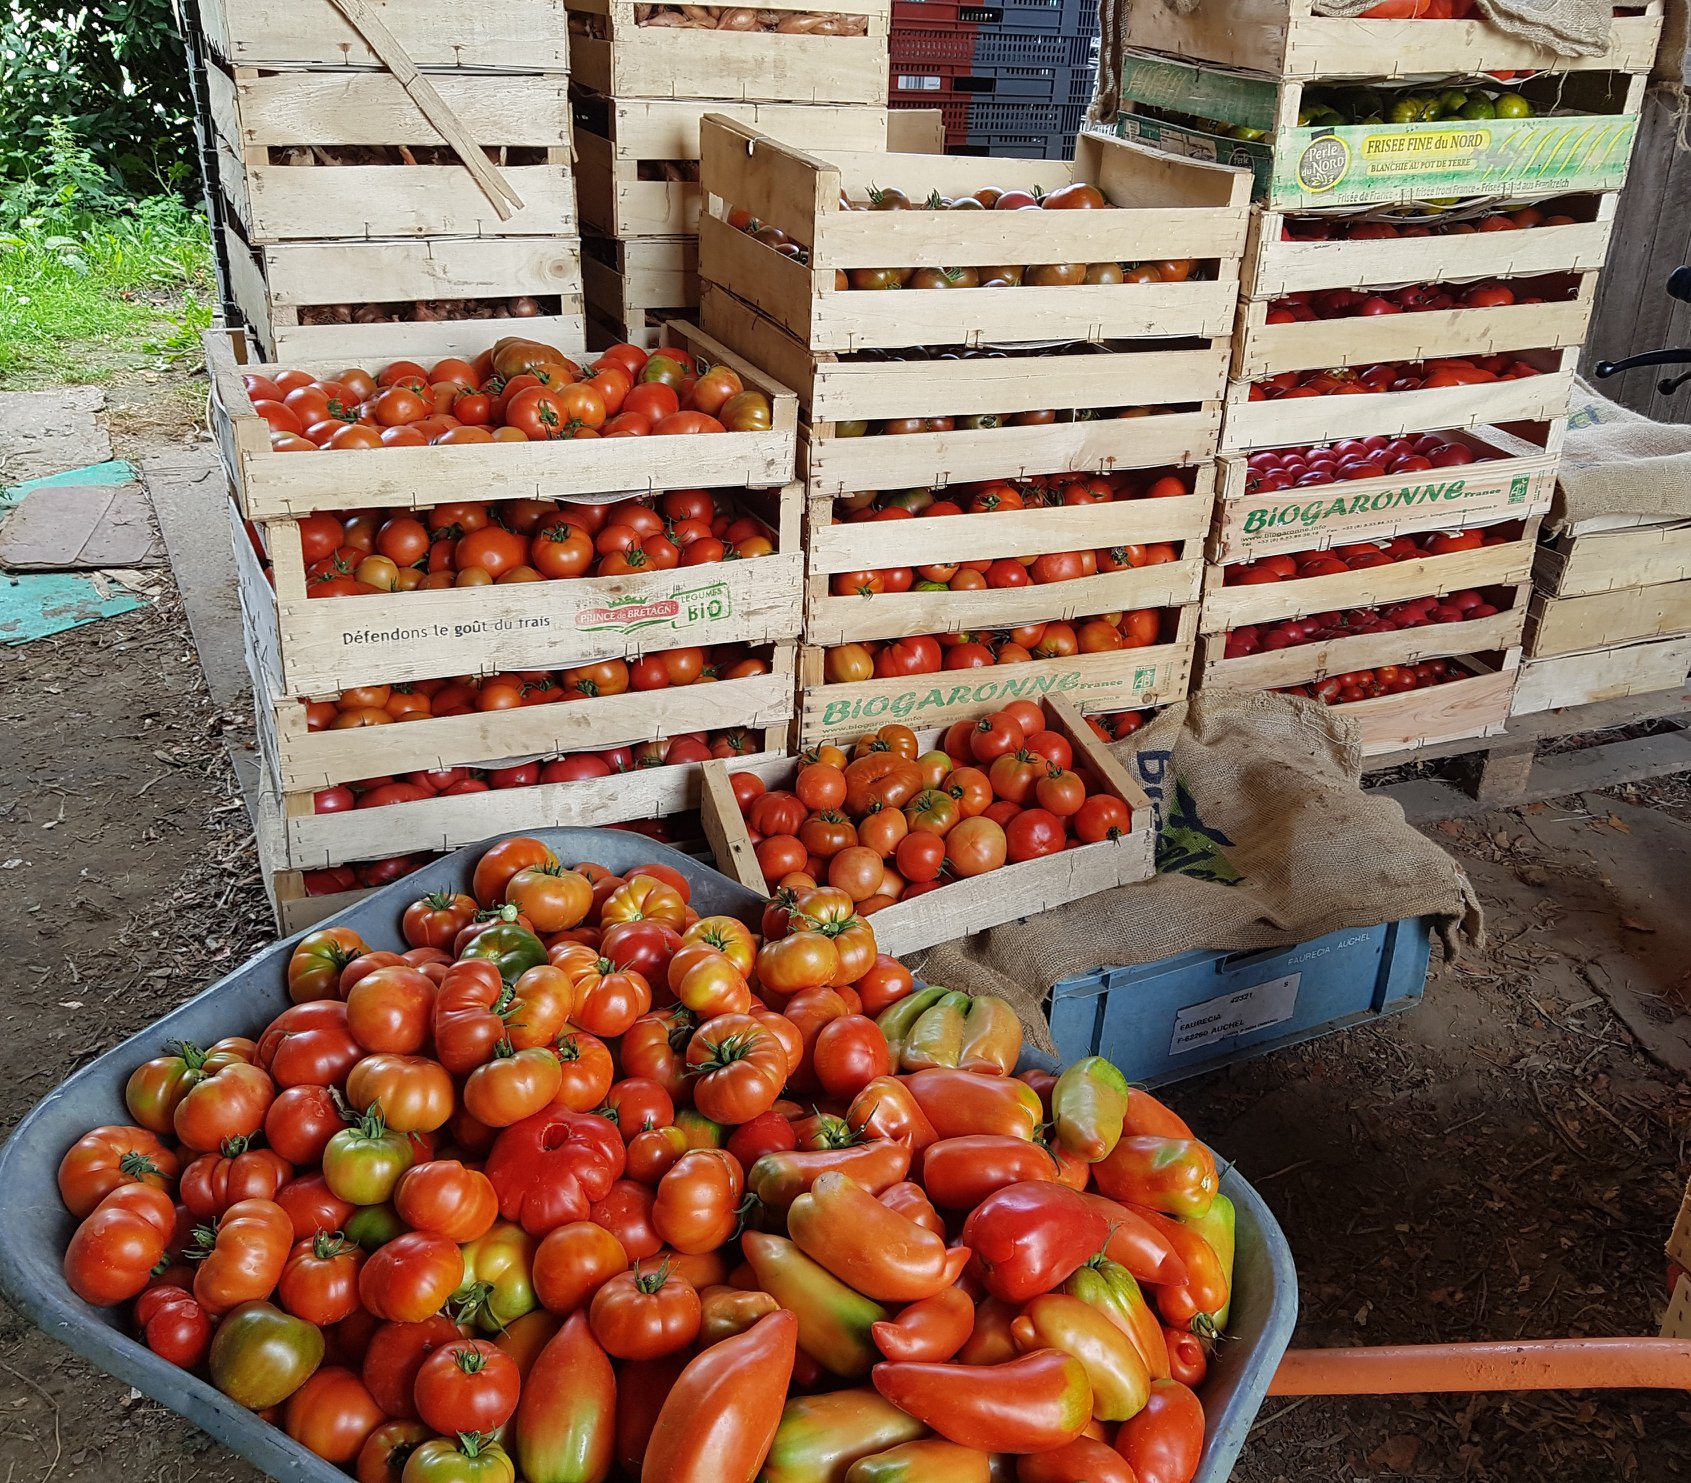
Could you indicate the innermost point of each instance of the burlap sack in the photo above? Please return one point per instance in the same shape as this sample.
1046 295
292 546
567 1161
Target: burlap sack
1570 28
1265 840
1616 462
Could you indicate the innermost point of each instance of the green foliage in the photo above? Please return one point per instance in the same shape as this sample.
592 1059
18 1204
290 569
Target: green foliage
115 70
89 276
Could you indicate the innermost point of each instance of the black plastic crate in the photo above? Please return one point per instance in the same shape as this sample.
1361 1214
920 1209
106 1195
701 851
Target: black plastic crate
1064 17
1019 86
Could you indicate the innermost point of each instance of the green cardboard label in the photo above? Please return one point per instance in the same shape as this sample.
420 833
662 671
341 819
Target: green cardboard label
710 603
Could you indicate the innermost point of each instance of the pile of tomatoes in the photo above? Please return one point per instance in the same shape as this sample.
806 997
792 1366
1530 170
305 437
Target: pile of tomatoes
1417 612
520 391
1388 679
1361 556
1419 10
474 544
577 1183
1077 196
1343 229
1479 370
885 822
1374 457
930 653
1416 298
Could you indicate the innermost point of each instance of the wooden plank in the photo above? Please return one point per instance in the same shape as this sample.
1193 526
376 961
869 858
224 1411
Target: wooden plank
1582 565
1569 625
1478 706
301 273
525 36
1604 674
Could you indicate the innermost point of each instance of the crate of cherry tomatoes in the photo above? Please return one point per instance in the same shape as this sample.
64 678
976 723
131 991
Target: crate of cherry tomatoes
1122 242
963 412
1313 496
346 153
337 599
1391 398
1395 38
999 553
1103 663
519 419
939 834
789 51
1399 708
384 770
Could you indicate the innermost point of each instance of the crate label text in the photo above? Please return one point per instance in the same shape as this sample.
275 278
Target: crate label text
1239 1013
709 604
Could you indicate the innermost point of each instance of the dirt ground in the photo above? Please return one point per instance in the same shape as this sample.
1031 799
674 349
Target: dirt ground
1502 1162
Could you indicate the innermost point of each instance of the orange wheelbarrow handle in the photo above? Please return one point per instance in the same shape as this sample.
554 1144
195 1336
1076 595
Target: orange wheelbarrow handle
1534 1364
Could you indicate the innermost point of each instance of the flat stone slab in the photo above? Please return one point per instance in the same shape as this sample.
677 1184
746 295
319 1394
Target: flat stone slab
46 432
81 528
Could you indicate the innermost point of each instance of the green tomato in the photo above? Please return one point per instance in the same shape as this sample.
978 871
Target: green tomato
371 1227
498 1283
1452 101
1478 108
470 1459
363 1163
1513 105
1403 111
510 948
261 1355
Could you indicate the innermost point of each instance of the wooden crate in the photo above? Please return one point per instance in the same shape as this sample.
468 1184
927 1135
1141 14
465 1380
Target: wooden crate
1642 556
527 36
964 907
613 55
1473 707
627 281
263 120
292 906
271 485
1128 679
1094 380
615 136
1604 674
1248 425
1274 266
871 545
273 285
1506 565
1507 485
1262 349
1579 139
1288 38
1570 625
324 645
1180 209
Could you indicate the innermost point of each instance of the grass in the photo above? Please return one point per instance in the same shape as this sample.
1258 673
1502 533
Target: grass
91 282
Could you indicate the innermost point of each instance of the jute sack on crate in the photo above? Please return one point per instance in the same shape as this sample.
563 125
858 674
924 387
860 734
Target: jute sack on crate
1265 840
1615 462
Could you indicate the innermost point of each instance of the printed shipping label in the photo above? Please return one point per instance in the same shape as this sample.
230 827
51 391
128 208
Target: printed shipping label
1222 1018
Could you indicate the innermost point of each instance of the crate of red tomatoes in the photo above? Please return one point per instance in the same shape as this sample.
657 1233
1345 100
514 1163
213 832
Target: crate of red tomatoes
939 834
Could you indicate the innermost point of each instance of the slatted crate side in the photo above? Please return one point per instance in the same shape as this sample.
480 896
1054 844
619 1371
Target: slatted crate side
328 644
1303 664
964 907
1181 210
1502 486
1603 674
615 136
1249 425
293 908
621 294
1508 564
1275 266
306 760
272 285
1127 679
1263 349
526 36
1478 706
1287 38
1569 625
612 54
271 485
1581 565
258 108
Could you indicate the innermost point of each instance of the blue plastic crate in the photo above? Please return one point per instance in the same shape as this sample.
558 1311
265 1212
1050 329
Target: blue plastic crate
1162 1021
995 47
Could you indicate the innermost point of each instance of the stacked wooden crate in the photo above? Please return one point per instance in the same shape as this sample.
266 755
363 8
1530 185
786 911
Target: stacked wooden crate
814 74
977 405
370 203
1610 615
1424 514
321 664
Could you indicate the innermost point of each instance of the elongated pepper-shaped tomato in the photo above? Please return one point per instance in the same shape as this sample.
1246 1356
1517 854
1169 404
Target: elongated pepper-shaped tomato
927 1461
1148 1117
1110 1288
780 1178
719 1420
932 1330
992 1036
821 1436
567 1416
1089 1102
1176 1176
958 1103
1120 1382
869 1247
1138 1245
1217 1227
1084 1460
1205 1290
1028 1237
834 1320
1031 1404
885 1109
